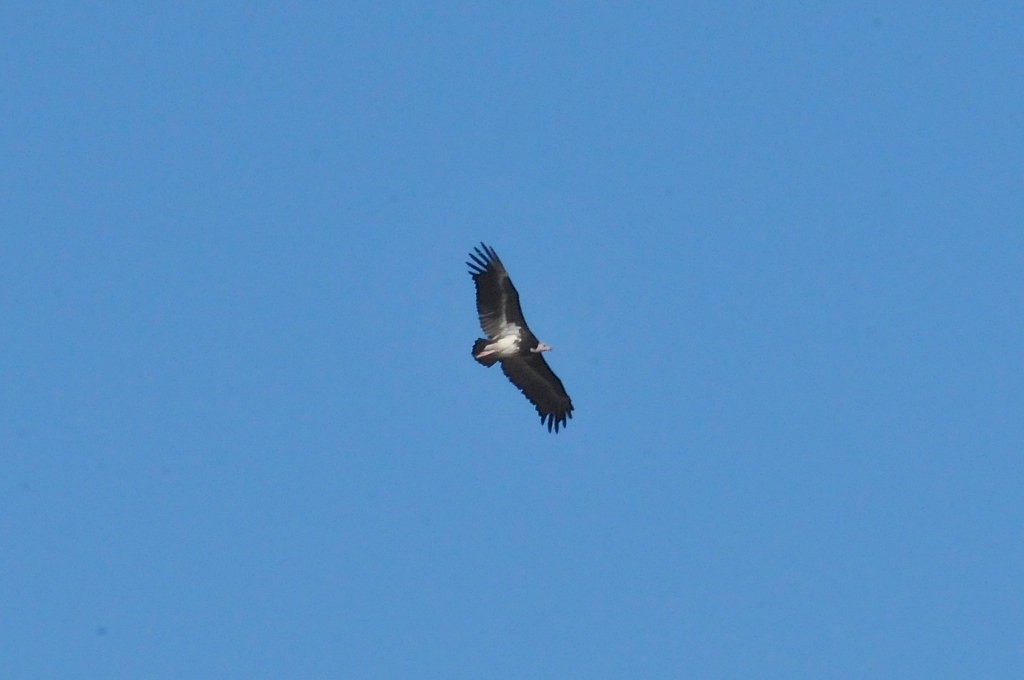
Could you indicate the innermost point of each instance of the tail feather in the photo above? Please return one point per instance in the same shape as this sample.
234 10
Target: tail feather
478 347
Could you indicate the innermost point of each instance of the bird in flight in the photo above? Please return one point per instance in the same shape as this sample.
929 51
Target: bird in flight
510 341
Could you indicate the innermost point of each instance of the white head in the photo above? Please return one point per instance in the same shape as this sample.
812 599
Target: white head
541 347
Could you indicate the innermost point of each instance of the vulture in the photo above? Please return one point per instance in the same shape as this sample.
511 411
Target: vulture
510 341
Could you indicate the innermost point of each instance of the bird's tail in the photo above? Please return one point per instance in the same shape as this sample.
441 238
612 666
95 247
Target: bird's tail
478 347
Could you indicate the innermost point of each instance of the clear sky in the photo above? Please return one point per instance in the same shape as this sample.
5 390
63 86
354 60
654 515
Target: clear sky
779 251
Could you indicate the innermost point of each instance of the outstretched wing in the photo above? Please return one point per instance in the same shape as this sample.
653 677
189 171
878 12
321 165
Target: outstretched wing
497 301
535 379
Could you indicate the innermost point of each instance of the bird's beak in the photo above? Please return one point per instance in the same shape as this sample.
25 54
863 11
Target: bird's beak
541 347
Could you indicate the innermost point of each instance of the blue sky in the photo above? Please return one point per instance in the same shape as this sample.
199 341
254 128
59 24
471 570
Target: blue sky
778 249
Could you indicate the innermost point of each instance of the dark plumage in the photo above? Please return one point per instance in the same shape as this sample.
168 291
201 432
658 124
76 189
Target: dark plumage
510 341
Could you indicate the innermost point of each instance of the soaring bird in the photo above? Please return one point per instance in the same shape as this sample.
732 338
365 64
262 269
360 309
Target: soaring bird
510 341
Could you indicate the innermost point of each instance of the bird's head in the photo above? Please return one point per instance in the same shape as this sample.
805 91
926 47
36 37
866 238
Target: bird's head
541 347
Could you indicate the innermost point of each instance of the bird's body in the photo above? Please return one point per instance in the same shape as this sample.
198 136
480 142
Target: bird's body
502 347
510 341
